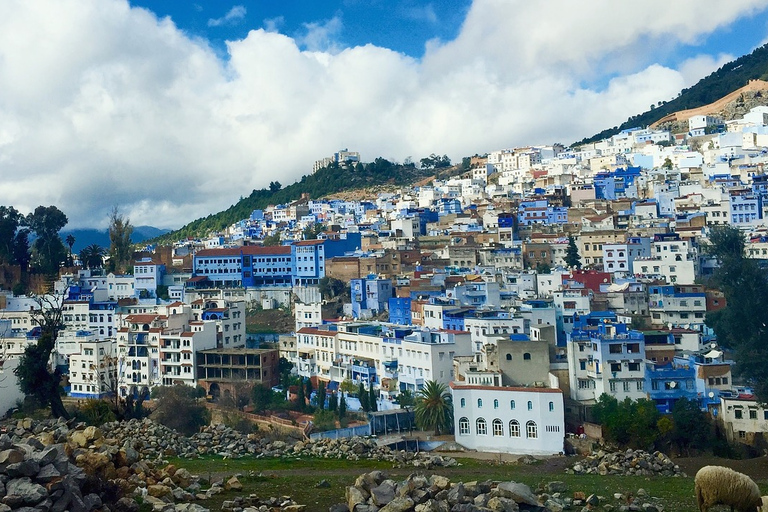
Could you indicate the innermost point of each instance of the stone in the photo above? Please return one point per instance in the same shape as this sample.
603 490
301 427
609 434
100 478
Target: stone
24 491
382 494
10 456
556 486
501 504
158 490
323 484
233 484
24 468
399 504
355 496
439 482
456 493
521 493
92 502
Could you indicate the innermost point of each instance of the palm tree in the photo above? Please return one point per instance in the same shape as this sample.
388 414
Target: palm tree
434 408
92 256
70 242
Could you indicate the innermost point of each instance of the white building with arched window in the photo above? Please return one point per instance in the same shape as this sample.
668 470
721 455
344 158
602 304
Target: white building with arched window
520 420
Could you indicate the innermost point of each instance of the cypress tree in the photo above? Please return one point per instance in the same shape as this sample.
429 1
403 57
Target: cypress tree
372 399
342 406
362 394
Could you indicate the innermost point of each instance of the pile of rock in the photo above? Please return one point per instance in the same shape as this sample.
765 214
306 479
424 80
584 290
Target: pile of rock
253 502
433 493
629 462
154 442
50 466
42 477
357 448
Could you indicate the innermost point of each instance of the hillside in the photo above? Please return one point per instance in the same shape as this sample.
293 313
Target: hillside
86 237
323 183
729 78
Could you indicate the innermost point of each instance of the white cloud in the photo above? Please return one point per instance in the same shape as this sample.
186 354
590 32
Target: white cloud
696 68
274 24
234 16
321 36
104 104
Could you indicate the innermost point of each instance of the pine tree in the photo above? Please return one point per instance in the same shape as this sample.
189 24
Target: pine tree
333 402
572 258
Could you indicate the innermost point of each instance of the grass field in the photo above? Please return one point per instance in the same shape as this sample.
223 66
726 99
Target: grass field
298 478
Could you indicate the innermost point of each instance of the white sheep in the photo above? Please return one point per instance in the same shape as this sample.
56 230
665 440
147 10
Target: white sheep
718 485
764 507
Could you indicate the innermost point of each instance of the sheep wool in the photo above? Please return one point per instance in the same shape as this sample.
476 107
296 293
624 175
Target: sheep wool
718 485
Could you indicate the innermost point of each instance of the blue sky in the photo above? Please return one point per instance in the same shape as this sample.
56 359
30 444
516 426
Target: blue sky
173 110
401 25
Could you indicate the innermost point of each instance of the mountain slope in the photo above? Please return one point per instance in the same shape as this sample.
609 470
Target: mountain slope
322 183
729 78
86 237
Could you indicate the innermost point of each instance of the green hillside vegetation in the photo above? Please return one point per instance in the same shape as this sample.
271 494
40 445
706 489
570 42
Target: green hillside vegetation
326 181
730 77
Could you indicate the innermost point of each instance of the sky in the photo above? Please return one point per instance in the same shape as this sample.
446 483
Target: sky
173 110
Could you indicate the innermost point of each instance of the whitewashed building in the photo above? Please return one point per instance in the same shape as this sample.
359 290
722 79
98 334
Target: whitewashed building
519 420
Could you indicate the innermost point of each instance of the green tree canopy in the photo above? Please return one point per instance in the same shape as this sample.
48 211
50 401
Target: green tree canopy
48 252
434 408
628 423
10 222
691 428
742 325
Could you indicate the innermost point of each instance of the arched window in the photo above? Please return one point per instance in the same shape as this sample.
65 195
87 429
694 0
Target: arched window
482 427
495 403
530 405
531 430
464 427
514 428
527 356
551 406
509 357
511 404
479 402
498 428
463 402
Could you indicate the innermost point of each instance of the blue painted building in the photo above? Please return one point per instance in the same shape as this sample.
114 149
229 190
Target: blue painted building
668 382
370 296
400 310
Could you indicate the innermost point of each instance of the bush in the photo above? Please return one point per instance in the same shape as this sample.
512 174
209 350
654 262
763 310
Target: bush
239 423
96 412
177 408
324 420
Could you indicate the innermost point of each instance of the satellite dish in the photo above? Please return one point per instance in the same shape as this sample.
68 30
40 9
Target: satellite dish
711 394
673 384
